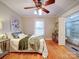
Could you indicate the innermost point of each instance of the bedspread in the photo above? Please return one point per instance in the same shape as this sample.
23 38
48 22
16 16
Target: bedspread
43 48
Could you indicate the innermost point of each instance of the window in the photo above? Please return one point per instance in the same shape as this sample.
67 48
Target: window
39 27
72 26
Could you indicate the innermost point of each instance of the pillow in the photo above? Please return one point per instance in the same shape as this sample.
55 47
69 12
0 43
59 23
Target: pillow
10 35
15 35
39 36
21 35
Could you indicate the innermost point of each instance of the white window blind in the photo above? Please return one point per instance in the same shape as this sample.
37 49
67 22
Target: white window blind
39 27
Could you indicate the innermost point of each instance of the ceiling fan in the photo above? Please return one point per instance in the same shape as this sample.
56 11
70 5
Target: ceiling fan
39 5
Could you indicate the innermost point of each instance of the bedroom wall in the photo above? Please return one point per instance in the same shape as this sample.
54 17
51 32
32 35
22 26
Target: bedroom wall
28 24
6 14
62 20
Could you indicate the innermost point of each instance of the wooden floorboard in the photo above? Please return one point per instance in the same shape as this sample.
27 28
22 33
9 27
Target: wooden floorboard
55 52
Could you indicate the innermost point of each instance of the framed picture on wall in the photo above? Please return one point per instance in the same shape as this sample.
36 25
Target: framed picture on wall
15 27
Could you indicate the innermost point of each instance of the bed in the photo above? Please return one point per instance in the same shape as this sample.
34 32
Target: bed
15 42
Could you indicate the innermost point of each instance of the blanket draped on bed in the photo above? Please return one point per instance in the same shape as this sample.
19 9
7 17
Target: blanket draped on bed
35 43
23 43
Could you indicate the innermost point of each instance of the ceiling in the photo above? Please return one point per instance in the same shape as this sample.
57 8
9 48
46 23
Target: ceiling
56 9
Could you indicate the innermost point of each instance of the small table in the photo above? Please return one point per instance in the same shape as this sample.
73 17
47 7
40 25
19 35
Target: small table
4 47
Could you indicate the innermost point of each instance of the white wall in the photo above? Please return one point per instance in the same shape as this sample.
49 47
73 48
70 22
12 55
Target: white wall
62 20
71 11
28 24
6 14
61 38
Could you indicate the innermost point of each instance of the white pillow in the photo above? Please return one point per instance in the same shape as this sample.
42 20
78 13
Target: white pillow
10 35
22 35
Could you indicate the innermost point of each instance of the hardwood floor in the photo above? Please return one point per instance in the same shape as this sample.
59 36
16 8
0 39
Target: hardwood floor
55 52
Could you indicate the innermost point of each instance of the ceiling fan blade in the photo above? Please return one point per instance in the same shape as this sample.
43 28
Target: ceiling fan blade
36 0
28 7
49 2
37 3
45 10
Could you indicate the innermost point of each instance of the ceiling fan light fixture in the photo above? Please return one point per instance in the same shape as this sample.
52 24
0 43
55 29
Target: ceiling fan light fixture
35 12
40 11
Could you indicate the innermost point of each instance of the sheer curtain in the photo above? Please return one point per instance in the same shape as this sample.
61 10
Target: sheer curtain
72 28
39 27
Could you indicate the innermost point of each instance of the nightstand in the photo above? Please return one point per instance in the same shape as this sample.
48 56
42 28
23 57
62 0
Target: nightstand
4 47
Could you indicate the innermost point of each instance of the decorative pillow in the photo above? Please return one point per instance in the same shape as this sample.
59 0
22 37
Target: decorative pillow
15 35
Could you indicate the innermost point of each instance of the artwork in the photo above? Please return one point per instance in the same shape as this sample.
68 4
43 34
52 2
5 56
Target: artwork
15 27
